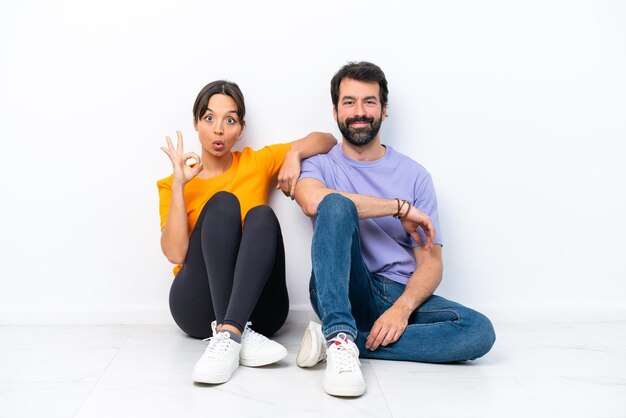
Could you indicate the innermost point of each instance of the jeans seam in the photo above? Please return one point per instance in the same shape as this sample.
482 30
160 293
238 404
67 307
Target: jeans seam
382 294
454 321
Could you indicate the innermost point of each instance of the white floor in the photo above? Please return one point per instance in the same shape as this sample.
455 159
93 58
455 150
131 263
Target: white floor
534 370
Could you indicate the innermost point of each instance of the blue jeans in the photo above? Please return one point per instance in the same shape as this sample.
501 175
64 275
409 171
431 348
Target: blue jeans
348 298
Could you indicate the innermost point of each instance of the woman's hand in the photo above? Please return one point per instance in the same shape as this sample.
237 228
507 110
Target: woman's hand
183 172
289 173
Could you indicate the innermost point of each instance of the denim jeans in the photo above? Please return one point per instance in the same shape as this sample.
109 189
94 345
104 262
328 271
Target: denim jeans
348 298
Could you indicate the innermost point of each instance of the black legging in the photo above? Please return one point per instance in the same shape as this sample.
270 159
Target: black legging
232 274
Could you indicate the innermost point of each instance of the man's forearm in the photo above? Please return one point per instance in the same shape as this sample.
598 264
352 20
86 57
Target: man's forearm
423 282
313 144
367 206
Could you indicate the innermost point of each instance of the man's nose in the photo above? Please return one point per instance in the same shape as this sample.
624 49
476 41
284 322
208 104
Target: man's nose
359 109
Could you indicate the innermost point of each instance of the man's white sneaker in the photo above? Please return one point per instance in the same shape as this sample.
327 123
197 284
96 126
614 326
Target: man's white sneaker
258 350
343 375
312 346
219 361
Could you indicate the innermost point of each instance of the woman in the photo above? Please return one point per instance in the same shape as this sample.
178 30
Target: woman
227 242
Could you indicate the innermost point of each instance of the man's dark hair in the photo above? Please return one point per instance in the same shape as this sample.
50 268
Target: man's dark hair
361 71
227 88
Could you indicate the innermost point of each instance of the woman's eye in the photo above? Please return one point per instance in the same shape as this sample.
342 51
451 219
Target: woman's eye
208 118
231 120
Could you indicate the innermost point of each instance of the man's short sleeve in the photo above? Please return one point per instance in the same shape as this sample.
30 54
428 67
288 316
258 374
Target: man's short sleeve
271 157
425 199
312 168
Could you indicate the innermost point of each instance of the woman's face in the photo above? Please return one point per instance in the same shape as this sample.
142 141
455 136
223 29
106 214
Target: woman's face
219 127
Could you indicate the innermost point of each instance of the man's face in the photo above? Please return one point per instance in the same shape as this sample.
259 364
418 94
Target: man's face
359 112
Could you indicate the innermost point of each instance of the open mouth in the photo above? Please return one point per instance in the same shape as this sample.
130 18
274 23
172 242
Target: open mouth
218 145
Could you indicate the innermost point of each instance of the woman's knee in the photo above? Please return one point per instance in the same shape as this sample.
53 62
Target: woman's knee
262 217
222 207
194 322
261 212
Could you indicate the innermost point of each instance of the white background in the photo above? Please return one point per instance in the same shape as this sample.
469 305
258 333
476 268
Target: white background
518 110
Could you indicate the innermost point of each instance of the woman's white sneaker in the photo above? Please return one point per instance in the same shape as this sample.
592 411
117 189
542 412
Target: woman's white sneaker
258 350
343 375
219 361
312 346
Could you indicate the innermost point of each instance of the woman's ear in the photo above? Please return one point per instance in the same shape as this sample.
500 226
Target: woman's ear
195 124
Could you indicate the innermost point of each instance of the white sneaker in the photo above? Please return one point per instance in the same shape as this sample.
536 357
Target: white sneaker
312 346
258 350
219 361
343 375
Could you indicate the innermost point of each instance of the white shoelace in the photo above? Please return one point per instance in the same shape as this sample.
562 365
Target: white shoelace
218 345
348 355
251 336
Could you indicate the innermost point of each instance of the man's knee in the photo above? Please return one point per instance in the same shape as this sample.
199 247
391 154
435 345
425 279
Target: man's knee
484 335
336 207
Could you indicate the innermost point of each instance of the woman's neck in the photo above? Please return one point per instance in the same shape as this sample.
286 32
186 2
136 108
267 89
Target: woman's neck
215 165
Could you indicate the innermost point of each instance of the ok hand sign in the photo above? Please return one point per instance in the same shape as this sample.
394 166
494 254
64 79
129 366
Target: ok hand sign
183 172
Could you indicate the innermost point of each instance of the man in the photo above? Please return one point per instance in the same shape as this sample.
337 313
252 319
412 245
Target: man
376 250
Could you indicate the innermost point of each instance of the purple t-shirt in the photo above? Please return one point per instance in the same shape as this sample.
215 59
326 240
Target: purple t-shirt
386 247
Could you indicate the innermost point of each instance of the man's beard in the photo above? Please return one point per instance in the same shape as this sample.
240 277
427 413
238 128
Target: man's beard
359 136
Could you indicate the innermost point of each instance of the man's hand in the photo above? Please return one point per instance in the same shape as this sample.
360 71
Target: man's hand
415 218
288 174
390 326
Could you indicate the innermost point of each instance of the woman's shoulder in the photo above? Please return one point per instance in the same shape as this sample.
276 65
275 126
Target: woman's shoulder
165 182
267 151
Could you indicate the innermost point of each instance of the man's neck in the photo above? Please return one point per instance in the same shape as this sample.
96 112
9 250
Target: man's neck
370 152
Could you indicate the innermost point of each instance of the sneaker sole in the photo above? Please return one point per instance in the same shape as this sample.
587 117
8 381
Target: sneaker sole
210 378
308 354
263 361
346 391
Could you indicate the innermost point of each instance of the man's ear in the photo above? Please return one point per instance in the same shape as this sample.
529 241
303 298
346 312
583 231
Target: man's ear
335 113
385 113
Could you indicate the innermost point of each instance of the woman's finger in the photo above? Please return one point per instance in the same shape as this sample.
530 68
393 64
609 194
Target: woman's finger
197 169
170 146
191 155
179 146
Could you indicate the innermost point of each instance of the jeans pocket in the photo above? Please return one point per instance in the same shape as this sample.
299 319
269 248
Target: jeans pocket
384 290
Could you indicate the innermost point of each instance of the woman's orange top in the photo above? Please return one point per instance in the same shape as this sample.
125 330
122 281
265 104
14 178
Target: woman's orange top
248 177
